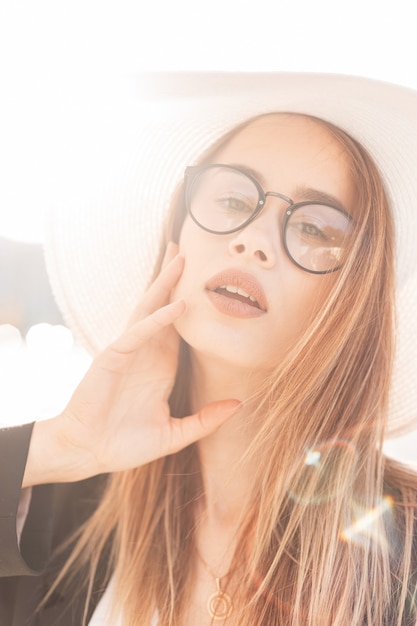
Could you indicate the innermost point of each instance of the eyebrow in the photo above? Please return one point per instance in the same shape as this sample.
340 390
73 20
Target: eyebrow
316 195
302 191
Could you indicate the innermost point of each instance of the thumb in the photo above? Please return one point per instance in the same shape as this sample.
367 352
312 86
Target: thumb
194 427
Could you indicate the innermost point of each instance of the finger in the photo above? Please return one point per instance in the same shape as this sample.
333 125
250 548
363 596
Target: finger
194 427
170 253
159 292
143 330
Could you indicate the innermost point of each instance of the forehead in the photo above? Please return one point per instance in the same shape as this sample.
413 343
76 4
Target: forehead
291 151
294 127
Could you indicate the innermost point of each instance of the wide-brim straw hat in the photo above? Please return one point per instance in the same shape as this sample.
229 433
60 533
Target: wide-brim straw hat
101 246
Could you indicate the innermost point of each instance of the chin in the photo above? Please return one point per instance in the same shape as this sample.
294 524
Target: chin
225 346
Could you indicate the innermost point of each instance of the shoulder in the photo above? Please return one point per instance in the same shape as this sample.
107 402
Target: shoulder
400 496
400 489
55 513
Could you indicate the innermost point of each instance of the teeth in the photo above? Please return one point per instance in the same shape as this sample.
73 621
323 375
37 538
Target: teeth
238 290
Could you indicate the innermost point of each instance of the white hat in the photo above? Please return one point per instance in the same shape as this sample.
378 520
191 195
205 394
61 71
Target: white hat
101 248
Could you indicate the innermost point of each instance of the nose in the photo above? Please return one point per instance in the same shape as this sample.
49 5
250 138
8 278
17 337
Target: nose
260 240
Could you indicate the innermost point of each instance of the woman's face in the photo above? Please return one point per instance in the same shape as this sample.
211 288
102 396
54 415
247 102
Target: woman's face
288 154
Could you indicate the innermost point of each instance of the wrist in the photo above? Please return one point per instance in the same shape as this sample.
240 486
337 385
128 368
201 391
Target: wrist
51 457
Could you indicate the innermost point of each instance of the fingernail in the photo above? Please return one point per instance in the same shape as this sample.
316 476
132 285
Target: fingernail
178 258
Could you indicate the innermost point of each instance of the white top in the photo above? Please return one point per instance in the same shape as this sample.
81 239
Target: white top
101 615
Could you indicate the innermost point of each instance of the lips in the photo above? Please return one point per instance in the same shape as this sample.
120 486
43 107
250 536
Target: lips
238 293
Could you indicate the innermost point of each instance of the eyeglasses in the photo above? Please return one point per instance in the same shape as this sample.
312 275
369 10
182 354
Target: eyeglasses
223 199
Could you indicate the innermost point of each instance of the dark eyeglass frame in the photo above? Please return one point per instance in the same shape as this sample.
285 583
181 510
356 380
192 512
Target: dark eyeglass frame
193 171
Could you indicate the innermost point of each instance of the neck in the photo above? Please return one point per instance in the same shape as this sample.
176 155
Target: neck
227 480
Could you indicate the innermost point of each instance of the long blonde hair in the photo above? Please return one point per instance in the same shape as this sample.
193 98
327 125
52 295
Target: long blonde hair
317 542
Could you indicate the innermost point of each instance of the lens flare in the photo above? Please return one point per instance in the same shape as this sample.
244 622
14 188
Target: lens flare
313 458
325 470
367 523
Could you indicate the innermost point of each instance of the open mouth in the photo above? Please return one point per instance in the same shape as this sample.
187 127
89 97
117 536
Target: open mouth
240 289
237 293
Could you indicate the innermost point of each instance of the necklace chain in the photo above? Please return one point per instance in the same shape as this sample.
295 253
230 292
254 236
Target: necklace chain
219 604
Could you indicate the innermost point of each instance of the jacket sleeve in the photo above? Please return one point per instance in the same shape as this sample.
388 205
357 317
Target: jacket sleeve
33 552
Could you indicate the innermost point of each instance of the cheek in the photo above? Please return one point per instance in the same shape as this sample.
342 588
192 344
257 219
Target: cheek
198 252
186 248
304 298
188 235
201 252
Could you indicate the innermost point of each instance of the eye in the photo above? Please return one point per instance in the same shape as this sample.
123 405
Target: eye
235 204
312 230
308 230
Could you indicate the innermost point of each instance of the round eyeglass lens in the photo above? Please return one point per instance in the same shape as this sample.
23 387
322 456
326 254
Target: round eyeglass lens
222 199
317 237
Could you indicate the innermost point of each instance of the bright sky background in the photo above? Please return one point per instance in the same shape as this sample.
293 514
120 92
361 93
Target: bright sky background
55 54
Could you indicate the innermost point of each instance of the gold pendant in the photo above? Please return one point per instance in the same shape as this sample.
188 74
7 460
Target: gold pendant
219 605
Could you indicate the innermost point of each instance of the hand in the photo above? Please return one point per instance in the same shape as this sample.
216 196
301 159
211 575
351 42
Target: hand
118 417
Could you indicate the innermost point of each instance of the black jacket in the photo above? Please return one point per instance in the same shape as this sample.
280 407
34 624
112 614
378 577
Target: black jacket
26 573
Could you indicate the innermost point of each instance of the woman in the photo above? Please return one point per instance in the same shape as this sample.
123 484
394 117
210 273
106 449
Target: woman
269 330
